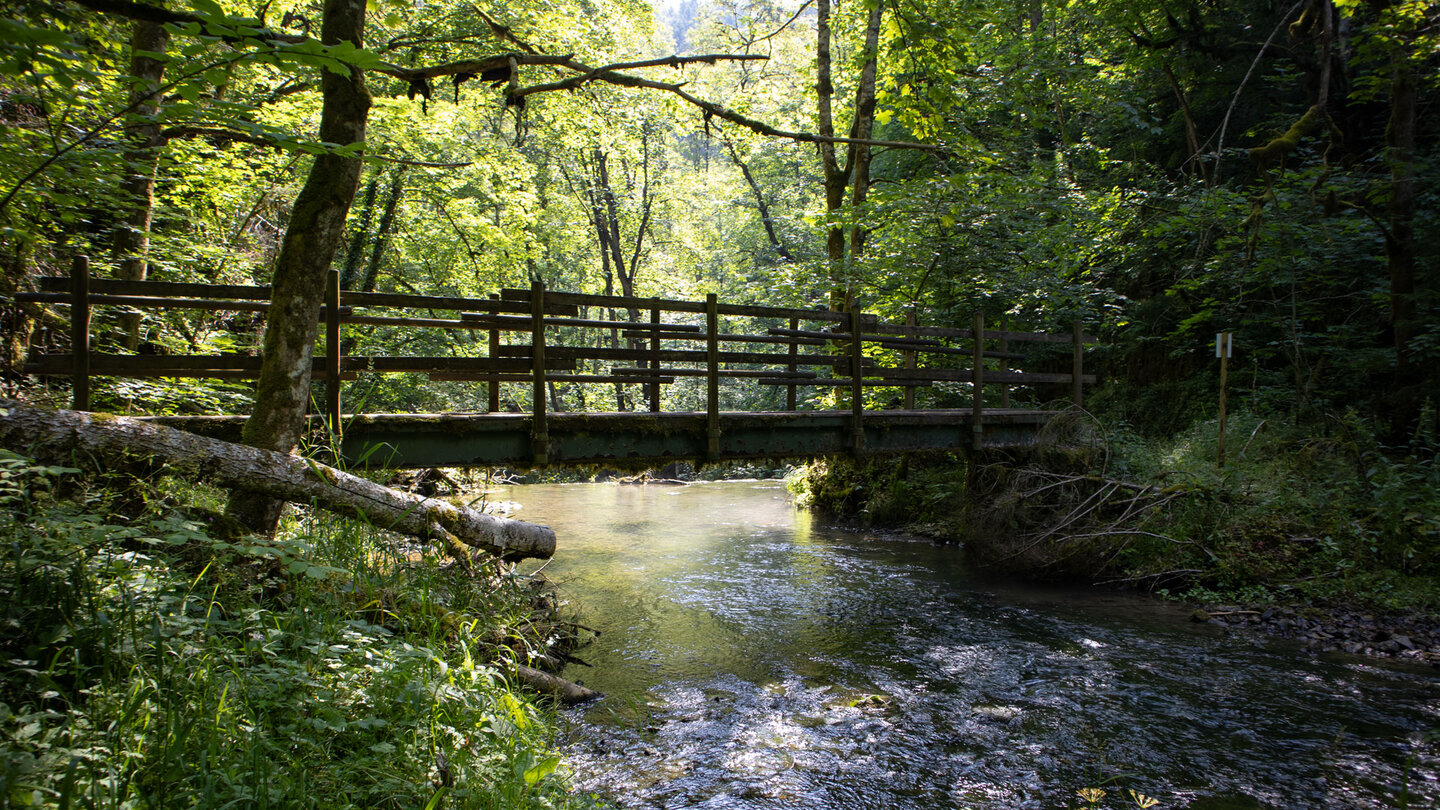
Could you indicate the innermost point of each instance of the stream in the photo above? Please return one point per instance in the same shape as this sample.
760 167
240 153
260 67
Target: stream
754 656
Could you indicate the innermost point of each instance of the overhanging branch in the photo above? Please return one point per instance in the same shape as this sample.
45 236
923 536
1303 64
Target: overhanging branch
588 74
496 64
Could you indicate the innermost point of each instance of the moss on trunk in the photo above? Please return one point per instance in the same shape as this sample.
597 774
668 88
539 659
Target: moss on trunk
316 227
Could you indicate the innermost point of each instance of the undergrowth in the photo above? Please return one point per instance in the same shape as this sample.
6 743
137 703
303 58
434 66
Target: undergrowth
147 663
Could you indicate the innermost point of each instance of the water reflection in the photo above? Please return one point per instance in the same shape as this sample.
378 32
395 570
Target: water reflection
753 657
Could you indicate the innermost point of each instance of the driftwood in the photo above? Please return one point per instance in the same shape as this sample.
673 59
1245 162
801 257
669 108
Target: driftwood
63 434
568 692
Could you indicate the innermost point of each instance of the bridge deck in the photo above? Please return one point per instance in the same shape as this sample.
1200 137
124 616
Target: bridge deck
641 438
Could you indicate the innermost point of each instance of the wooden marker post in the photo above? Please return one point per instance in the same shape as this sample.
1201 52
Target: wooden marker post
712 377
794 352
908 394
540 435
1004 361
1224 347
492 384
977 379
80 334
332 351
1077 368
857 390
655 354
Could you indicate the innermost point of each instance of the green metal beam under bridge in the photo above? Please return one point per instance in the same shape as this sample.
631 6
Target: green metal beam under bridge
636 438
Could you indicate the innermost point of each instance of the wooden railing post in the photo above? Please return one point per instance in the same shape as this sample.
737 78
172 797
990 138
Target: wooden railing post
332 351
977 379
857 395
1077 370
80 333
712 376
791 366
908 393
540 435
1004 360
655 354
492 382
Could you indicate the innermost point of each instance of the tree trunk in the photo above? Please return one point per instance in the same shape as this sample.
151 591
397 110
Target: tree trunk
607 230
859 156
317 224
271 475
382 234
131 241
834 177
1400 241
610 224
17 321
838 178
765 218
642 231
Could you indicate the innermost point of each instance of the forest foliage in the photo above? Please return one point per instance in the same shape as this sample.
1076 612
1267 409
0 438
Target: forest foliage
1164 171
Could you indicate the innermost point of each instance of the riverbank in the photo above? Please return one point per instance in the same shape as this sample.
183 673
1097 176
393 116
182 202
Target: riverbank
1327 538
154 659
1411 637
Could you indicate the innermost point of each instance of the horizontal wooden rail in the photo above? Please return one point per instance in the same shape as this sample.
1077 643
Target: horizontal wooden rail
724 372
518 323
555 340
674 355
724 337
671 305
153 365
167 289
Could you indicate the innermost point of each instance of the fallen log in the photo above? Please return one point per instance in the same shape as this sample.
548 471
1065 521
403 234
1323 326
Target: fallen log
569 692
51 434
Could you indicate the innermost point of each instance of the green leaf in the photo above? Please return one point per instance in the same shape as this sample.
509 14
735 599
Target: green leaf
540 770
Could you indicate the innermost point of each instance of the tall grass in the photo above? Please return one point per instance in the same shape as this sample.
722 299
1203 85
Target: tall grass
147 663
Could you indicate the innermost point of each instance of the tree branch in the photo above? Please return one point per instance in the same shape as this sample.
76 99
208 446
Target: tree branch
589 74
197 131
139 11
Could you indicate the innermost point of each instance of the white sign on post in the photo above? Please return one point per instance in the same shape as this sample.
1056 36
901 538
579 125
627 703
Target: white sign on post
1223 348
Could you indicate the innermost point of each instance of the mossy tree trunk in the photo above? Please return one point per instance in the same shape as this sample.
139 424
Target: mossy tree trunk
854 175
315 230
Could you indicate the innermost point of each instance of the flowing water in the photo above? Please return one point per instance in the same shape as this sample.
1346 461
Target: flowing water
753 656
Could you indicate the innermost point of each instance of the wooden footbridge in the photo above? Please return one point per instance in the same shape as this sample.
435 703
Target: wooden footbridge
662 352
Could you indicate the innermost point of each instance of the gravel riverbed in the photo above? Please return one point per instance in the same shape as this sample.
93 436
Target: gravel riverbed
1405 636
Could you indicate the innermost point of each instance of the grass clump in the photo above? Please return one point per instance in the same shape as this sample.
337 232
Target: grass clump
1321 512
149 664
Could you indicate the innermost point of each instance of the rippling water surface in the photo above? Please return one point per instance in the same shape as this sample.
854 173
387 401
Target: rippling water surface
754 657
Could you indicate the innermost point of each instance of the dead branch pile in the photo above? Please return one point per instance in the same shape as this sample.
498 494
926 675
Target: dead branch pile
1049 514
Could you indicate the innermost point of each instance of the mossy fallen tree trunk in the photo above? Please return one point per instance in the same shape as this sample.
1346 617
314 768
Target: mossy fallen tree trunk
54 434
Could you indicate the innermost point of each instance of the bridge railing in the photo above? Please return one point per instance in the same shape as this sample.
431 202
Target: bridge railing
541 337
